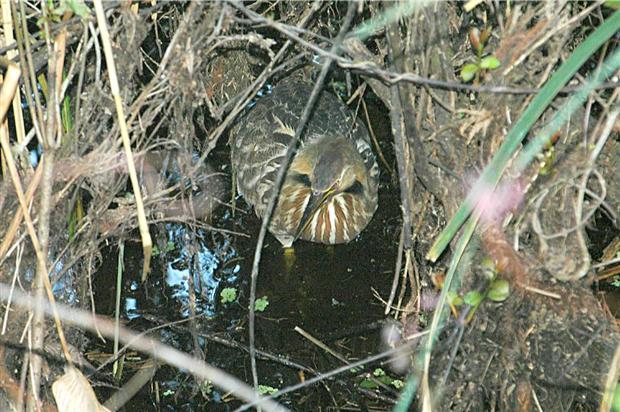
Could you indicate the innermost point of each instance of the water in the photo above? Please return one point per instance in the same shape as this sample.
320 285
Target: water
325 290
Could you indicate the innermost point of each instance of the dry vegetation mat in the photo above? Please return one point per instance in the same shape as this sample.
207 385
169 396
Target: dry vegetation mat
503 155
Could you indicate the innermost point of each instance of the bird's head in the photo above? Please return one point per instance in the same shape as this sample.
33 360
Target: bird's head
328 168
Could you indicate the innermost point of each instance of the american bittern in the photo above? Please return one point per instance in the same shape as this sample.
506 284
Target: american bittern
330 190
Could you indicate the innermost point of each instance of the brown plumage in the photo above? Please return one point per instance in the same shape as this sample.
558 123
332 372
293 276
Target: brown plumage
329 193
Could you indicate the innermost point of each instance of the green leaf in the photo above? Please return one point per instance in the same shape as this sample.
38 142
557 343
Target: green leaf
612 4
168 248
368 384
78 7
492 173
469 71
386 380
488 268
490 62
228 295
397 383
454 298
206 387
261 304
66 116
473 298
266 390
378 372
499 290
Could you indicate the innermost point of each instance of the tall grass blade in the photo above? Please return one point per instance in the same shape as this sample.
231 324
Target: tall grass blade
493 171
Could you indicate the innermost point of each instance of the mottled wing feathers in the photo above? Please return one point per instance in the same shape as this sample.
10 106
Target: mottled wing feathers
260 139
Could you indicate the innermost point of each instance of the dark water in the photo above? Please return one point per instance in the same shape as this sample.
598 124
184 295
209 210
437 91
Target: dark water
325 290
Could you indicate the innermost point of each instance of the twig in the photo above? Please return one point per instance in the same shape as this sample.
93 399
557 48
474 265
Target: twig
120 270
147 243
412 341
164 353
397 309
9 86
609 124
8 90
401 145
321 344
25 57
372 394
18 260
261 354
50 142
137 381
17 219
373 136
7 26
611 382
338 356
399 262
278 184
558 28
392 77
540 291
80 80
111 359
146 92
403 290
455 343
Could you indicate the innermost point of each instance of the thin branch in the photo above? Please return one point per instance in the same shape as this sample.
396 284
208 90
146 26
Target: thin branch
11 83
391 77
280 179
401 145
147 243
411 341
140 342
399 263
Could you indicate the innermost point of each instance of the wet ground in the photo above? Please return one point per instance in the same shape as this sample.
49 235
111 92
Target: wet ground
325 290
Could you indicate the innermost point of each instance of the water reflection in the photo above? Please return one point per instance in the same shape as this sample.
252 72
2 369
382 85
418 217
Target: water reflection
131 308
63 288
198 255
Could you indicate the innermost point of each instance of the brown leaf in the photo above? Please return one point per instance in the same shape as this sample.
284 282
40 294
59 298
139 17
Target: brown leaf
73 392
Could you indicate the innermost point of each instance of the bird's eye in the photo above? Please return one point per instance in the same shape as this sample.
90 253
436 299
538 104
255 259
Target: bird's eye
355 189
301 178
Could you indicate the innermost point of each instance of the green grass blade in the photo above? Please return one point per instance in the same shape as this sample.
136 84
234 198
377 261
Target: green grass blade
493 171
609 67
423 358
402 9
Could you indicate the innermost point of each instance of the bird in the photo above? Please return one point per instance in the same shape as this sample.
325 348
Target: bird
330 190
